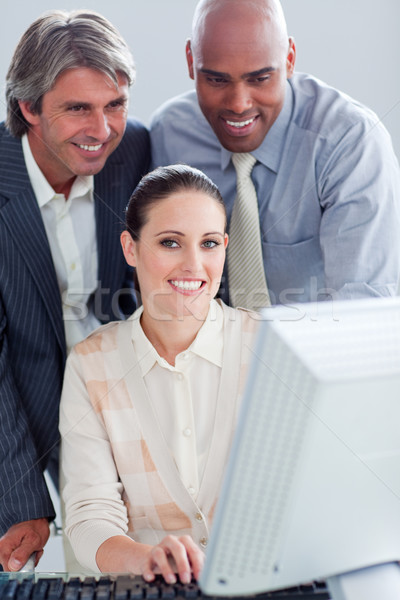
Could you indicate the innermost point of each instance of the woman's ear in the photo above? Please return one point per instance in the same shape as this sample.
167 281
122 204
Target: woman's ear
128 248
226 239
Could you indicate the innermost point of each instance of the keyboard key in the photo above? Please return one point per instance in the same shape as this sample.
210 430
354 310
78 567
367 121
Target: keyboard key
40 589
10 590
152 592
167 592
56 589
25 589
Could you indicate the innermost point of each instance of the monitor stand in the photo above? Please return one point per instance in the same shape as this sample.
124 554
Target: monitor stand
381 582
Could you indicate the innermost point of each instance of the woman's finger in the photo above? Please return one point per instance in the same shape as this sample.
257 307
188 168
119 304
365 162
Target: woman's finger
195 555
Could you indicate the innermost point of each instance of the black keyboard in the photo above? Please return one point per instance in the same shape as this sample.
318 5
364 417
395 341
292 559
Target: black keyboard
127 587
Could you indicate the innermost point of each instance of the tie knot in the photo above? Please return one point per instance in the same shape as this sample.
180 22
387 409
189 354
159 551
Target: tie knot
243 163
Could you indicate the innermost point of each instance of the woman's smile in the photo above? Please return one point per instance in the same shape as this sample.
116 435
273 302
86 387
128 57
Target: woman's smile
187 286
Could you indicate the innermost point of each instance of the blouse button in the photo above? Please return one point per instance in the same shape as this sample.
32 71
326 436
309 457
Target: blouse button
191 490
198 516
203 542
187 432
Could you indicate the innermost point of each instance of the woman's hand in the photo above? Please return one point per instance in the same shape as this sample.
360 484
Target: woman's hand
171 557
174 555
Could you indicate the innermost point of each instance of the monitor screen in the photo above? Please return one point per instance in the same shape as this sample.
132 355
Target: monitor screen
312 487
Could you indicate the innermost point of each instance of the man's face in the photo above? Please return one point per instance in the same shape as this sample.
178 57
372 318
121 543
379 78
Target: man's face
240 64
82 121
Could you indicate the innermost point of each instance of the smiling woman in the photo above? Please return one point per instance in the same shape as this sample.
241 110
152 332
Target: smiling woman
177 245
178 260
150 404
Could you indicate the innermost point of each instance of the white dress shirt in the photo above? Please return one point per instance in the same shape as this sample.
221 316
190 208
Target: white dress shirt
71 232
186 408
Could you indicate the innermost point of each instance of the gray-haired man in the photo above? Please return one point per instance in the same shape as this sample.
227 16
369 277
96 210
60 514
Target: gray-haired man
69 160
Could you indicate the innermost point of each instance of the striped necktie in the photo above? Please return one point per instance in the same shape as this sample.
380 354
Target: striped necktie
247 283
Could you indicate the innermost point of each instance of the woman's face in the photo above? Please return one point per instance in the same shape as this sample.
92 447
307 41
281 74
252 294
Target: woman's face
180 255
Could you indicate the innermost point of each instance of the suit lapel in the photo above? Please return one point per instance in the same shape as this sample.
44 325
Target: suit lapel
110 201
21 215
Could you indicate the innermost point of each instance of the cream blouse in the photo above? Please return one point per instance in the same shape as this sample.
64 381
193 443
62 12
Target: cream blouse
120 466
184 396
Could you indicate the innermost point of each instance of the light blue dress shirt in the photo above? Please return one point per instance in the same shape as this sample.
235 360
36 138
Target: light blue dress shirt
328 187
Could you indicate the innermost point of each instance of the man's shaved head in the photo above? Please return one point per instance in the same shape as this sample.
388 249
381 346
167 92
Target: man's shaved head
207 10
240 57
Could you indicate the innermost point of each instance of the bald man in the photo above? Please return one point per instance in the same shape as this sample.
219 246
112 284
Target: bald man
326 176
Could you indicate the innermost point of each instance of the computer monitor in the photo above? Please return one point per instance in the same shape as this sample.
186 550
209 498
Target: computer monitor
312 488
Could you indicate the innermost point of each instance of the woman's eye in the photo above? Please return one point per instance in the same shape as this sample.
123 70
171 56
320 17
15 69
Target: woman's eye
169 243
210 244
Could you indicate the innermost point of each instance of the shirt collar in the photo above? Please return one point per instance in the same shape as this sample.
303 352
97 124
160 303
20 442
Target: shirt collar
212 329
43 191
270 151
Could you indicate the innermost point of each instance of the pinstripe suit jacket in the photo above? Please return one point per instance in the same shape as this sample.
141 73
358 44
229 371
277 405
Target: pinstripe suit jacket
32 344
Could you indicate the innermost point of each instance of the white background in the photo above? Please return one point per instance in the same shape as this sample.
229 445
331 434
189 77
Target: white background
351 44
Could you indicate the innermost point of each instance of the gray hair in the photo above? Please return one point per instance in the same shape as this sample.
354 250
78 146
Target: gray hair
57 41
